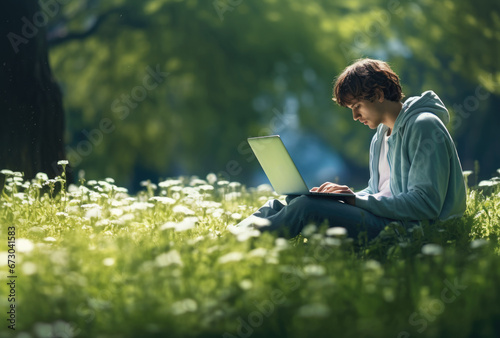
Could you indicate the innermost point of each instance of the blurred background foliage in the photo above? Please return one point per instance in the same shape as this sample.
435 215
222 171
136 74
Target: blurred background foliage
241 68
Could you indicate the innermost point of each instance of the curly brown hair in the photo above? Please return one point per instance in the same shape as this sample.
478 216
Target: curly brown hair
363 79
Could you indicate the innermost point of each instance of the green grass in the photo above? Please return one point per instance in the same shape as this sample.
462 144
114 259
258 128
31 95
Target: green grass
94 261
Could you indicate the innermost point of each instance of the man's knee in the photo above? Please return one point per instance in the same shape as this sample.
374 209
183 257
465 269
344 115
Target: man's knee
302 203
289 198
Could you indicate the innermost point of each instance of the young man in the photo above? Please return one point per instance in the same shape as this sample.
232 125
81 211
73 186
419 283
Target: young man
415 172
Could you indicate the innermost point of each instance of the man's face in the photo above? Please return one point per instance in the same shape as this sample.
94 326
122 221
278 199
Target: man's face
368 113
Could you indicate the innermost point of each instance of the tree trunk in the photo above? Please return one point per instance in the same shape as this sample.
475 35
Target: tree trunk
32 114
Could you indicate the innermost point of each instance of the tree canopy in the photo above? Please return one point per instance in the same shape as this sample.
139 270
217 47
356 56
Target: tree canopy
166 87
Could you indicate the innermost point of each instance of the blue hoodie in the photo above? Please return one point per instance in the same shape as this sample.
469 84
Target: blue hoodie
426 177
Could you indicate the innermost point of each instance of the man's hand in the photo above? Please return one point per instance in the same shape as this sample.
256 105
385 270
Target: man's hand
330 187
333 187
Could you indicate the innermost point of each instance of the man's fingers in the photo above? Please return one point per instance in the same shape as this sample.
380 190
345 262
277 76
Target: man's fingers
327 187
340 189
332 187
323 186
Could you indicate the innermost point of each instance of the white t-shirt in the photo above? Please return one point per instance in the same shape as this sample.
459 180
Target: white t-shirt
384 170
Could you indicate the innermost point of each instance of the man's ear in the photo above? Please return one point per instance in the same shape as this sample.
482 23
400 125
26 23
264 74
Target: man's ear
380 95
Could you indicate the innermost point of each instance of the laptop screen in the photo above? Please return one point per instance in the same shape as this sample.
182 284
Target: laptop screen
278 165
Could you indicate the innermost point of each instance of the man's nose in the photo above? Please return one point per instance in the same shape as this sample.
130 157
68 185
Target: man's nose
355 115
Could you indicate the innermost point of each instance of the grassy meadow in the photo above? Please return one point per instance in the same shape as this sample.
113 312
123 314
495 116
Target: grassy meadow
93 260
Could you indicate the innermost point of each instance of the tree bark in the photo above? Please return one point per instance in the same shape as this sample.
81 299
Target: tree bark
32 113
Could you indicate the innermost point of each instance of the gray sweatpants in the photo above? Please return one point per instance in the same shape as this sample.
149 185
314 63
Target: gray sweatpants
301 210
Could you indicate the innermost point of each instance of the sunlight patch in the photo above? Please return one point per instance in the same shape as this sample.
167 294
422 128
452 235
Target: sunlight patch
231 257
432 249
185 305
169 258
181 209
108 261
186 224
24 245
316 310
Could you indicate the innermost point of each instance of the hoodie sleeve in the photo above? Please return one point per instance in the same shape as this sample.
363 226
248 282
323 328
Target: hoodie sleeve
365 191
368 190
429 152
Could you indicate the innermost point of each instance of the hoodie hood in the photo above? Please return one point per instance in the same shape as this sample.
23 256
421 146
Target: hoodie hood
428 102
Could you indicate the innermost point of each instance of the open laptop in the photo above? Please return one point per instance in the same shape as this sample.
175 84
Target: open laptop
280 169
